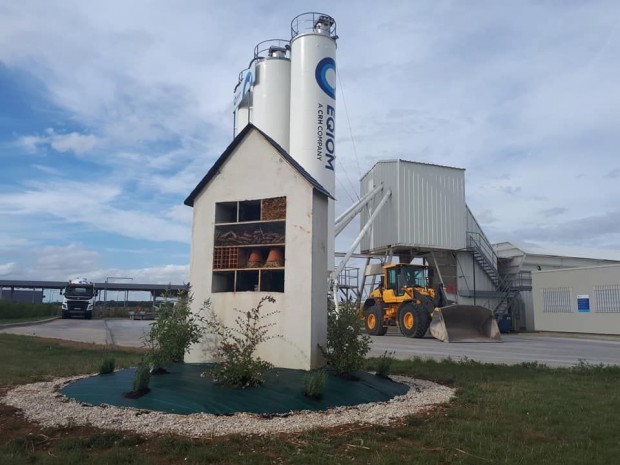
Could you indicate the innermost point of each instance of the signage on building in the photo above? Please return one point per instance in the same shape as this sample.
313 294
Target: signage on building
583 303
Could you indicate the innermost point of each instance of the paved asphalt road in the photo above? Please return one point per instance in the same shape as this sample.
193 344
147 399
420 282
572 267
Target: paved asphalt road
552 350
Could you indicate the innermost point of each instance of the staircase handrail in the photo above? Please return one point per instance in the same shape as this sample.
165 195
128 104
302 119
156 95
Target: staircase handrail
483 245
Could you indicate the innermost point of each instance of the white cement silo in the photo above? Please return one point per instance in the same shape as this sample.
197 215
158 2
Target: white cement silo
313 103
270 95
241 101
262 95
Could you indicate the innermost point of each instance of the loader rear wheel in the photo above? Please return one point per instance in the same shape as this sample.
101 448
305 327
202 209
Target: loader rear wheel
413 320
373 320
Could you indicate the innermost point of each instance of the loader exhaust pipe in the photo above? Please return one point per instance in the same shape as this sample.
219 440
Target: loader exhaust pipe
464 323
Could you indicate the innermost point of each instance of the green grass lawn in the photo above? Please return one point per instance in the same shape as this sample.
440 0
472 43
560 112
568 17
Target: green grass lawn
526 414
26 359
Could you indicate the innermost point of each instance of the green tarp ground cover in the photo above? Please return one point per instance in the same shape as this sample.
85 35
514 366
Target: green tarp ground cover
184 391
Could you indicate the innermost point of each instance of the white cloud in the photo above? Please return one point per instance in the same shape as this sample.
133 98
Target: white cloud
7 269
71 142
64 262
523 95
61 263
164 274
30 143
48 169
180 214
11 239
98 205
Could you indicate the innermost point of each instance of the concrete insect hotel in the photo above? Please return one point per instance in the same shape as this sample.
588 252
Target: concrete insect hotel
264 234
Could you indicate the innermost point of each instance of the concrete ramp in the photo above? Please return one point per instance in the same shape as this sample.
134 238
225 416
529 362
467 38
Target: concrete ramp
464 323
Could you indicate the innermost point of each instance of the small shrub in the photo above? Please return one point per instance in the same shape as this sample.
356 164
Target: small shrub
107 366
175 329
346 346
532 365
583 367
314 384
384 365
236 346
142 380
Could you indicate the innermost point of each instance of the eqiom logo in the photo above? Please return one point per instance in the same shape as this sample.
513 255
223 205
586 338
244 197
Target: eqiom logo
240 93
247 83
320 73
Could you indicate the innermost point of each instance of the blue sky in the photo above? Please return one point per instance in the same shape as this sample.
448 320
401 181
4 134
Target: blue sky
111 112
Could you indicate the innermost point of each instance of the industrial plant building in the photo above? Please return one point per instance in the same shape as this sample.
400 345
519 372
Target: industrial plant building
264 220
427 217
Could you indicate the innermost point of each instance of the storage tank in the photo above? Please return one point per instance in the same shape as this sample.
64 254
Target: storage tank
241 101
262 95
270 94
313 103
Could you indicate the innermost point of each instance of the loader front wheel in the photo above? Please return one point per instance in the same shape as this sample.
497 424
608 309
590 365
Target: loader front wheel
413 320
373 320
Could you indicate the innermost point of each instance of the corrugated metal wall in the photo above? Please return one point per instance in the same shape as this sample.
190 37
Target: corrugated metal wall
384 230
427 208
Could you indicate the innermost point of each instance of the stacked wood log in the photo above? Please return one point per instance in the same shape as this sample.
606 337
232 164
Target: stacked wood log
256 237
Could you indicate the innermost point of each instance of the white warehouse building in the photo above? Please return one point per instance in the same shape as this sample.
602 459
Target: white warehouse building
578 300
517 263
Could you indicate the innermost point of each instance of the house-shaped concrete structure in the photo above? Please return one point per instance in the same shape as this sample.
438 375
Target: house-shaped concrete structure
260 228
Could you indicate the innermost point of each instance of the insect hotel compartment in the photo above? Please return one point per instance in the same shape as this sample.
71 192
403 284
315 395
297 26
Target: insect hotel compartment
249 245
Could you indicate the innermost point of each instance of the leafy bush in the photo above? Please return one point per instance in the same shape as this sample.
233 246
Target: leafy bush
175 329
236 346
142 380
314 384
384 365
346 346
107 366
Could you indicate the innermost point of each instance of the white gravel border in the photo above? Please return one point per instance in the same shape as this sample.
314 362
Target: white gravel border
43 404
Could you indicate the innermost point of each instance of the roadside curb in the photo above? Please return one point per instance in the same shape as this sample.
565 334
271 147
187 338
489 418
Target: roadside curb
27 323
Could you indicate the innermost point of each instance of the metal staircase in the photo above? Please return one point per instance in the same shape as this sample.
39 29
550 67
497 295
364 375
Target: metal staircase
348 284
485 257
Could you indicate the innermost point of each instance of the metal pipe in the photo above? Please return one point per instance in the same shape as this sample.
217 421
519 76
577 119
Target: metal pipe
362 233
437 267
473 270
343 220
362 284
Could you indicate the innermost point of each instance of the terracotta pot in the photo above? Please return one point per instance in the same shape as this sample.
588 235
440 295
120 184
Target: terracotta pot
275 258
255 260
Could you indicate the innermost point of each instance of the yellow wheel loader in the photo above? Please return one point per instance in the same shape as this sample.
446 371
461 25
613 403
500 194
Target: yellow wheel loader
405 298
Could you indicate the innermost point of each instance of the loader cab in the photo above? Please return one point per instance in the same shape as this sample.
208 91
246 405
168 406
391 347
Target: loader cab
401 276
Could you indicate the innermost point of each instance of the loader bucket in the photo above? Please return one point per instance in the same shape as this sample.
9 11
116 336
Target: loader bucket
464 323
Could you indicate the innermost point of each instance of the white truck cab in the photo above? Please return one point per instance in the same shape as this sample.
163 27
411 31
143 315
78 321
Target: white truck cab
78 298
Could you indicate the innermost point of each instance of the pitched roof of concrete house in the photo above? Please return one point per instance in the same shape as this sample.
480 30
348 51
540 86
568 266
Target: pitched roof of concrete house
189 201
